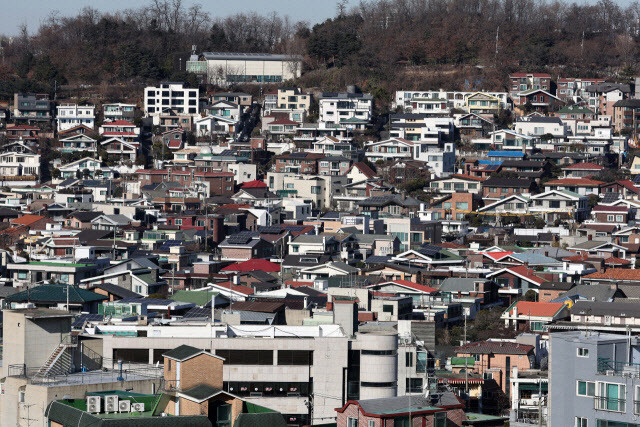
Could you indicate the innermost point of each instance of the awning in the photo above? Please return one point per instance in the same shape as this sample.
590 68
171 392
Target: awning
534 387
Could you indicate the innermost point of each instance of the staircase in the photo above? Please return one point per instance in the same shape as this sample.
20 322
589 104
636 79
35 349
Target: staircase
60 361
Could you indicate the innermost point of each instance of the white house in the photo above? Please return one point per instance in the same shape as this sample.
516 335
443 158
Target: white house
71 115
122 129
118 111
350 109
95 168
537 126
215 125
559 204
19 164
77 143
170 95
226 109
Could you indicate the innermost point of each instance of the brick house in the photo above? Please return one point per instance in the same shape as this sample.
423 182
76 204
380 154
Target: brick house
539 99
454 206
496 359
218 183
81 219
550 291
245 246
24 132
617 215
305 163
515 281
439 410
499 188
32 222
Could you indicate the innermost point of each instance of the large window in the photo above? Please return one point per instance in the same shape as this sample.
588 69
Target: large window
611 397
352 422
295 357
246 357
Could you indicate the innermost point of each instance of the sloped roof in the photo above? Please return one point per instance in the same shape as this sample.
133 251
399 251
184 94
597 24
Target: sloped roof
56 293
616 274
252 265
584 166
254 184
407 284
578 182
183 352
536 309
495 347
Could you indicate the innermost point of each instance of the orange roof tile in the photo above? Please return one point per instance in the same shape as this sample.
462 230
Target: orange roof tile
616 274
583 182
538 309
27 219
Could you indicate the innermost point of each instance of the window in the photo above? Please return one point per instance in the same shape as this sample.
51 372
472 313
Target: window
611 397
488 375
581 422
352 422
463 206
223 415
169 365
21 396
414 385
440 419
371 423
618 218
246 357
295 357
536 326
583 352
409 359
586 388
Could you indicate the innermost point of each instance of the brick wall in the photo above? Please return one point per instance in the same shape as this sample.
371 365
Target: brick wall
202 369
236 253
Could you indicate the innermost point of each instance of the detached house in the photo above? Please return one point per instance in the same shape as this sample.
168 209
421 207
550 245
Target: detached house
560 204
539 99
581 186
500 188
457 183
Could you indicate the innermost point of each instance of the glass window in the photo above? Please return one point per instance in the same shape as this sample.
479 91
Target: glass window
440 419
583 352
586 388
581 422
611 397
352 422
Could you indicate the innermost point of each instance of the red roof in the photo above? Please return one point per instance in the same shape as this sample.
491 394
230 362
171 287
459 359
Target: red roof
237 288
364 168
211 174
253 265
27 219
473 178
616 274
497 255
283 122
629 185
254 184
601 208
174 144
297 284
537 309
22 127
586 257
530 74
585 166
118 123
153 171
119 134
523 271
408 284
581 182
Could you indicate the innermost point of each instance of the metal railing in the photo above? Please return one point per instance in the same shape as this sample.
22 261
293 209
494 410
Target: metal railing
610 367
610 404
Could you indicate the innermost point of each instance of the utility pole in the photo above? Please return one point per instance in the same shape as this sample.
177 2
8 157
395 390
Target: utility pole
466 370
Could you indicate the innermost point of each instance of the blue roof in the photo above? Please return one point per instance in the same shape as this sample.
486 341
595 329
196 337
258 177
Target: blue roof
490 162
506 154
535 258
565 298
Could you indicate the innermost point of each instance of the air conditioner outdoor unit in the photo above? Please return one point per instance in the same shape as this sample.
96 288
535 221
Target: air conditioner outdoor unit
137 407
111 403
94 404
124 406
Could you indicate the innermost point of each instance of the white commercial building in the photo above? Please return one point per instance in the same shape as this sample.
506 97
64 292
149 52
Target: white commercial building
170 95
227 68
72 115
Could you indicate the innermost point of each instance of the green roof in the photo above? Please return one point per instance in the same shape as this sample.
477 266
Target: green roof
575 109
201 392
252 408
68 414
147 278
267 419
56 293
58 264
196 297
460 361
182 352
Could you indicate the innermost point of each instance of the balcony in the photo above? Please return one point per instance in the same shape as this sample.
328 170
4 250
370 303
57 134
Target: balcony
610 367
611 404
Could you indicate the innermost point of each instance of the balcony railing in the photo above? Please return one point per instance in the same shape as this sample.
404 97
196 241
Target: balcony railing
610 367
610 404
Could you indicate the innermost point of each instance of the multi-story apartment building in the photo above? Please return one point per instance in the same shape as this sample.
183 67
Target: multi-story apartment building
288 100
32 106
594 379
573 89
603 96
240 98
318 190
209 183
522 82
19 164
118 111
626 116
421 127
350 109
72 115
169 95
405 99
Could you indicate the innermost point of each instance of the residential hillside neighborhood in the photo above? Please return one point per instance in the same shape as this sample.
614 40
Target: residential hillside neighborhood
246 247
